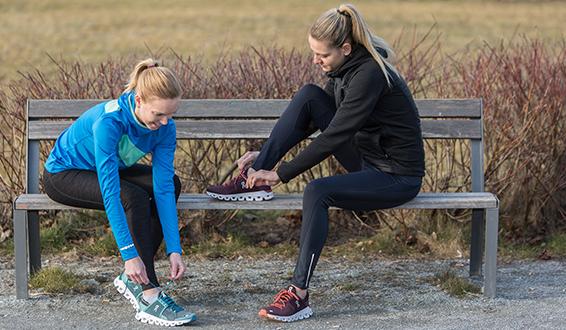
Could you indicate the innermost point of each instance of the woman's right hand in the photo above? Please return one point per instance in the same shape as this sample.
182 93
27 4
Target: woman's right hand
135 269
246 160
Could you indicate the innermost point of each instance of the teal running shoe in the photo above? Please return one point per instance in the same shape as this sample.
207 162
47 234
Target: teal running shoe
132 291
164 311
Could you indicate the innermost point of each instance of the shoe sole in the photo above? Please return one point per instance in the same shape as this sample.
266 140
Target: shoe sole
150 319
257 196
121 287
305 313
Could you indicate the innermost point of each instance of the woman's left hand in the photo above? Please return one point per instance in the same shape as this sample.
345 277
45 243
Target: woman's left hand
262 177
177 266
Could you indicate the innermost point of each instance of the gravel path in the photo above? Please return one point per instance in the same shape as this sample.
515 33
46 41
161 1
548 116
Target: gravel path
345 295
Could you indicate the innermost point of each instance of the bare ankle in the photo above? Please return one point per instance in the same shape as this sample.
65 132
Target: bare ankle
302 293
151 292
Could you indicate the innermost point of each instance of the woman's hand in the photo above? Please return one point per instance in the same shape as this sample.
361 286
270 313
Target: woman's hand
177 266
135 270
247 159
262 177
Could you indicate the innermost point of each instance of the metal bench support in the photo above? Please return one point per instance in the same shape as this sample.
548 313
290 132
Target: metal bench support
21 250
491 231
476 242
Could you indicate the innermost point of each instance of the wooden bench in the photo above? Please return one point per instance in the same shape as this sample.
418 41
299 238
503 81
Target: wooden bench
247 119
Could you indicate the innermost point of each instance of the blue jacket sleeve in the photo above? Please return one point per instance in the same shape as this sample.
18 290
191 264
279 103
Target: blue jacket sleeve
106 134
163 155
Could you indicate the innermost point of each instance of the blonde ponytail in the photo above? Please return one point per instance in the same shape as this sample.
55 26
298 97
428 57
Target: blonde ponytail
149 79
345 23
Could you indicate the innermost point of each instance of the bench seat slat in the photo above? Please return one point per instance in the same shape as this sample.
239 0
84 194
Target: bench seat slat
428 108
425 200
260 129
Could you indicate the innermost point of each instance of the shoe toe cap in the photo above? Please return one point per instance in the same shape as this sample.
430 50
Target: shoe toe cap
189 317
212 188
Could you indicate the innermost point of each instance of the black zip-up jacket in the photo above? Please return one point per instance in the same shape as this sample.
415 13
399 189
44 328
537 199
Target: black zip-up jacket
382 121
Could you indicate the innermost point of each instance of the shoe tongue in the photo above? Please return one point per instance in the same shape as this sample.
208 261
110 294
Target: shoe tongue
171 303
292 289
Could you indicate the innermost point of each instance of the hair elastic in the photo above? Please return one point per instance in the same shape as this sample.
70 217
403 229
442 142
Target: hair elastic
341 12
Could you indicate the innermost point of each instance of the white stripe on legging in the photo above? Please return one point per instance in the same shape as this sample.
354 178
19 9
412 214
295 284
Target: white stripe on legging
309 273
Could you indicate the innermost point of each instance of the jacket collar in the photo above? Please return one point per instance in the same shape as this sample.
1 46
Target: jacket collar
358 56
127 103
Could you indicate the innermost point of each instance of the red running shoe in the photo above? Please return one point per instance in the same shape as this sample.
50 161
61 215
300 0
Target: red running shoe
235 190
287 307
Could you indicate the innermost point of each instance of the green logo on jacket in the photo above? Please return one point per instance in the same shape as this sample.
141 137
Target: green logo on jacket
129 153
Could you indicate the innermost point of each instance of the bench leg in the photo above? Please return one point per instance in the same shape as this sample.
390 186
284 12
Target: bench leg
34 242
476 244
491 233
21 251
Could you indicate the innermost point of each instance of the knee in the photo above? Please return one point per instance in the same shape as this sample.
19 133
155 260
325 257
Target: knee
48 188
177 183
310 91
135 199
314 191
304 97
316 196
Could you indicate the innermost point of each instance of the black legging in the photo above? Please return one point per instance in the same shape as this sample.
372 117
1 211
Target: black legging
80 188
363 188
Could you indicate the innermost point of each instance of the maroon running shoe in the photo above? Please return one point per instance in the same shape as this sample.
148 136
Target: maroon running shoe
235 190
287 307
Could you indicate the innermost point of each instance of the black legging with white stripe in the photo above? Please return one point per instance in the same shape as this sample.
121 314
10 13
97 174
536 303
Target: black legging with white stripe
80 188
363 188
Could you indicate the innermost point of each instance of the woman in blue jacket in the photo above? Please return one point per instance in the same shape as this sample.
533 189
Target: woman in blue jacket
94 165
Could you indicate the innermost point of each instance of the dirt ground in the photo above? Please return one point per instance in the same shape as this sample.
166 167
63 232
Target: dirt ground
392 294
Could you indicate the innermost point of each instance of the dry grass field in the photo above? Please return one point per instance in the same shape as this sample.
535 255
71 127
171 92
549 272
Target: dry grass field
91 31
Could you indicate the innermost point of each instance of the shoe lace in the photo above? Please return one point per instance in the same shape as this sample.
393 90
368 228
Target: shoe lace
170 303
283 297
235 179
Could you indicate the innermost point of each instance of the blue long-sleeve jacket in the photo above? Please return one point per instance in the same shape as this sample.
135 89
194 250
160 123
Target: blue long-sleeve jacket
108 137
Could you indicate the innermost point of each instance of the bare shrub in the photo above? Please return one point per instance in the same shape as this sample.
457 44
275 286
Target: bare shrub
523 88
522 85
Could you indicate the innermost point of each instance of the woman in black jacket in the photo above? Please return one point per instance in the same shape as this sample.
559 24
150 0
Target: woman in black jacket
368 121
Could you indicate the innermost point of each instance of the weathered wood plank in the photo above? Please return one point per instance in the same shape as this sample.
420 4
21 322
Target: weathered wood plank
425 200
450 108
428 108
260 129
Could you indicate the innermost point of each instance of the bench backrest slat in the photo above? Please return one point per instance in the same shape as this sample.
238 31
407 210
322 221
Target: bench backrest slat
260 129
428 108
